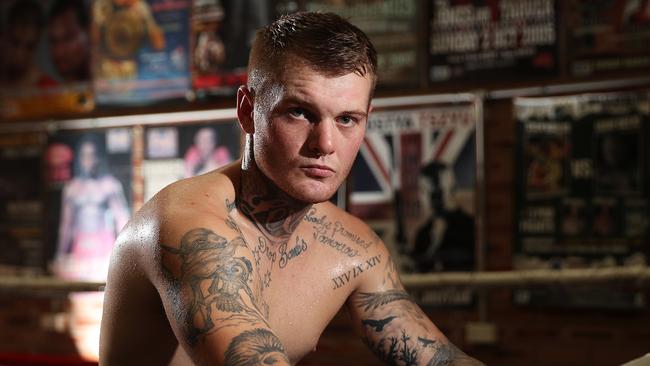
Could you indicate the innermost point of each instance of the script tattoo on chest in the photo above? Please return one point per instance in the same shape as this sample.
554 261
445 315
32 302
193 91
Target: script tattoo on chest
286 256
345 278
336 235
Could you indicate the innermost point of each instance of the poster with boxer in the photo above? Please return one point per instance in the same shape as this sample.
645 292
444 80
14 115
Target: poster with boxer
88 180
222 35
45 64
140 51
477 41
394 29
414 182
187 150
607 37
598 215
21 204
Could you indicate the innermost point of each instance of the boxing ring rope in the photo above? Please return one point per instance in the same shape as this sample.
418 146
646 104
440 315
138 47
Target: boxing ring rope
636 276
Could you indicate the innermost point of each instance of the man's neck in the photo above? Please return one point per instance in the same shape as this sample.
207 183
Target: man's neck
271 210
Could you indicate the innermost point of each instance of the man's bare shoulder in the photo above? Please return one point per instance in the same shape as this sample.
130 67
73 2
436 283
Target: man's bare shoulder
198 202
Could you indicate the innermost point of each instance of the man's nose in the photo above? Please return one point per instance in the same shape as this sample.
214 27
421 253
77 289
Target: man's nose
322 137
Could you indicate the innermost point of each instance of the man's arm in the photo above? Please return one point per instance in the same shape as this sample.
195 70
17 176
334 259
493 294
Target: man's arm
394 327
211 295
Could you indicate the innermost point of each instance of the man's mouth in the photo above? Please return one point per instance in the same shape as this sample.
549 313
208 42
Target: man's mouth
317 171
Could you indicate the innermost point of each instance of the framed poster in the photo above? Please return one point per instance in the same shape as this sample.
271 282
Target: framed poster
394 27
45 67
476 40
88 179
181 151
141 50
222 35
21 204
580 201
607 36
415 183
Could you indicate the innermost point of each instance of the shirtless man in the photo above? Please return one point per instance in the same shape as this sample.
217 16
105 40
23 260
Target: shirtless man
248 264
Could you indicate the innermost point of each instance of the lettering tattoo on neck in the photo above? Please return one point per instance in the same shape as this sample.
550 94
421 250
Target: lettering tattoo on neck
216 279
345 278
274 213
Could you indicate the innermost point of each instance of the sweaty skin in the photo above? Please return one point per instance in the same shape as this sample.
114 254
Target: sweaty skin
248 264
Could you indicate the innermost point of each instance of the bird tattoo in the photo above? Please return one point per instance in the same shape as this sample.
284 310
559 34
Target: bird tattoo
378 325
426 342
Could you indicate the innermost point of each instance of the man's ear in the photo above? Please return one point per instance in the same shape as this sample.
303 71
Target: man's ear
245 109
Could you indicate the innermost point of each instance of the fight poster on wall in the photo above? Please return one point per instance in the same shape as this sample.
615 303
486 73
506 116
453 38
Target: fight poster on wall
141 50
581 201
88 179
222 35
184 151
21 204
480 40
608 36
414 182
45 63
394 29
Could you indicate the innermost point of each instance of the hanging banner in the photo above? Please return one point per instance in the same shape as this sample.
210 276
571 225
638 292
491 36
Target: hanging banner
608 37
222 35
45 64
88 177
479 40
176 152
414 182
141 51
394 29
580 200
21 204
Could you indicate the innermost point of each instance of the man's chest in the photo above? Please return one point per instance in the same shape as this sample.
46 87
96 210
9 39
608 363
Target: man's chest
296 293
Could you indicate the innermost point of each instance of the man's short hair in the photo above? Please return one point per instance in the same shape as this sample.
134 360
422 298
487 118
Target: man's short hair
323 41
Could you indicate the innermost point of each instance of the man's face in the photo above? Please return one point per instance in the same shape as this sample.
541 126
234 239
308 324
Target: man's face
205 141
21 43
88 157
68 45
308 129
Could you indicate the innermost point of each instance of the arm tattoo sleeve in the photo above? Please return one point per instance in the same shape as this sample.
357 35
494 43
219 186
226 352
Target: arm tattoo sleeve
216 279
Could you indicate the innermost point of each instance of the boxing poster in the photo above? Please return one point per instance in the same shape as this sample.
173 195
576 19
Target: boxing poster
414 182
21 204
88 180
608 37
222 36
393 26
476 40
140 50
45 63
184 151
581 201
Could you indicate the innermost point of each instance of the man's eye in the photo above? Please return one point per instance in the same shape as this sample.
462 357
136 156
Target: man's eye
347 120
297 113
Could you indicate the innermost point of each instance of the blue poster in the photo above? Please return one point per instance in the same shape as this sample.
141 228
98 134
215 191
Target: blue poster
141 50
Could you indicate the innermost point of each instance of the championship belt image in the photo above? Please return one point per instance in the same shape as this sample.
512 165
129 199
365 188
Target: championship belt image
123 34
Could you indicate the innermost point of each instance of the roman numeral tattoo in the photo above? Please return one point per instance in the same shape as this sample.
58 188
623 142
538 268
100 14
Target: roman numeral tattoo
342 280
